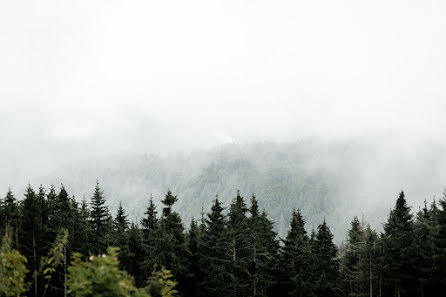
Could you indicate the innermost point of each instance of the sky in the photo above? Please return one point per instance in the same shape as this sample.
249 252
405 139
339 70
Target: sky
87 78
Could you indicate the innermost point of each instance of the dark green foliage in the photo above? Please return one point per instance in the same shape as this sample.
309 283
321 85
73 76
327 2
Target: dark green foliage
295 260
325 263
100 222
11 218
264 248
31 236
399 252
135 253
120 234
239 247
224 254
439 244
216 257
150 221
194 278
351 273
167 245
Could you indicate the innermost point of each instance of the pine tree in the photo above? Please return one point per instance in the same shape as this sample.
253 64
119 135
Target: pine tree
423 244
82 229
121 226
150 235
167 244
352 276
439 245
194 278
100 222
30 233
369 263
263 251
216 257
398 247
325 262
150 221
11 219
135 252
174 248
295 259
238 230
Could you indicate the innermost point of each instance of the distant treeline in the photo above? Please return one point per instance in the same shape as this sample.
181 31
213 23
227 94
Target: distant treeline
230 251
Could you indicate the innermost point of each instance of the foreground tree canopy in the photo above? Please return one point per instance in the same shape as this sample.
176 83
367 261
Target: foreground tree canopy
55 246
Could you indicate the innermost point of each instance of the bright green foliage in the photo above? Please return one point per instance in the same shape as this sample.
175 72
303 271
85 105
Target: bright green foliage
162 284
12 270
233 254
99 276
55 262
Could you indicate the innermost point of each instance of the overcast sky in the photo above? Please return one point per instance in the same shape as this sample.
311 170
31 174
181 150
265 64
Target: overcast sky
80 78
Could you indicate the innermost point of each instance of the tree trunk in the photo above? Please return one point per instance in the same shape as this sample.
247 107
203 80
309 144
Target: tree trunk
370 275
35 265
65 271
380 285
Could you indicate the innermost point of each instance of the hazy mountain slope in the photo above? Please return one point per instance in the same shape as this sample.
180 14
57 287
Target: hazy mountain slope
333 181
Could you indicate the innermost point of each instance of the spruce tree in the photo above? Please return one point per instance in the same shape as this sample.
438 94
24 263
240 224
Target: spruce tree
325 262
398 248
216 258
30 233
136 254
100 222
194 277
121 226
150 235
150 221
352 275
11 218
439 244
239 246
295 259
82 231
263 251
167 244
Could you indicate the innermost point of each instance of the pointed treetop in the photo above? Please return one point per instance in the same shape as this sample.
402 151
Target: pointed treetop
121 218
254 206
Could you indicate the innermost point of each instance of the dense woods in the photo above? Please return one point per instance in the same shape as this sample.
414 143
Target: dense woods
53 245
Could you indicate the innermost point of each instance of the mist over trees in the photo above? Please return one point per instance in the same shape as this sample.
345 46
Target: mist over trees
331 180
55 246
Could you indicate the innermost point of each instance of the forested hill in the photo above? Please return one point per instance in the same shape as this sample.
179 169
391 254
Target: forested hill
324 180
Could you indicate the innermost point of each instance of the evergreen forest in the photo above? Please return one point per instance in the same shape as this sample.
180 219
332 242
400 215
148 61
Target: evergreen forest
54 245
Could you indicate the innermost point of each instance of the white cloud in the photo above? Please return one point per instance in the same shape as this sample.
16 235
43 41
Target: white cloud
183 71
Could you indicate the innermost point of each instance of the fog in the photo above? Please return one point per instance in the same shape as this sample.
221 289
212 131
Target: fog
84 79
